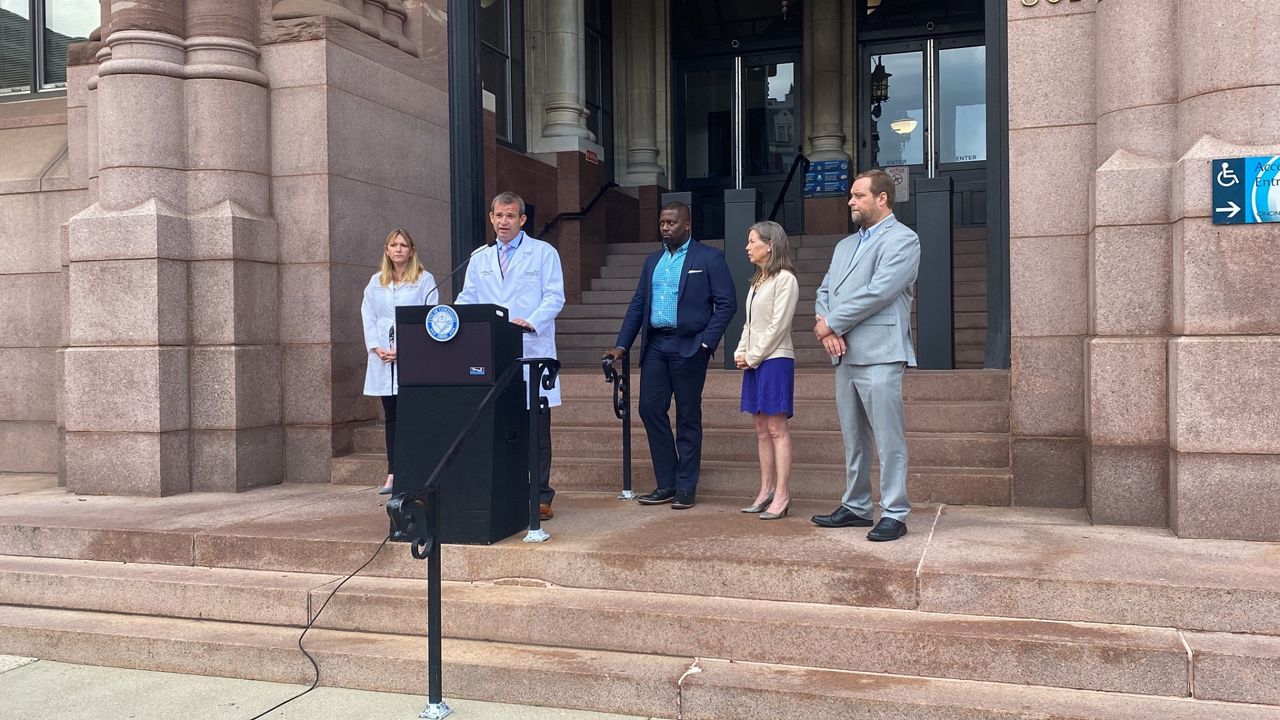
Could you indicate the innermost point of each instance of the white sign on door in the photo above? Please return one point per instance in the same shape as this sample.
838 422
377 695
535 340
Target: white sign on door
901 175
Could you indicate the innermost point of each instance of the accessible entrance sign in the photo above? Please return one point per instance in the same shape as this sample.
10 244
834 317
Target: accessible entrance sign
1246 190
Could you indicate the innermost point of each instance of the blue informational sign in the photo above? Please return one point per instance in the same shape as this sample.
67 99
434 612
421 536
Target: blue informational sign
827 177
1246 190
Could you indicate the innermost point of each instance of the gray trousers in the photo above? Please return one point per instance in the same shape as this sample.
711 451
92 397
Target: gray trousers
869 402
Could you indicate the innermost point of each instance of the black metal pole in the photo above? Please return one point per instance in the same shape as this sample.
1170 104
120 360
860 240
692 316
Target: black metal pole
435 661
626 427
466 131
535 409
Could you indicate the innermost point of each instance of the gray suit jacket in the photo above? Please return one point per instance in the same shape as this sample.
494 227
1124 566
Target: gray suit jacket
866 295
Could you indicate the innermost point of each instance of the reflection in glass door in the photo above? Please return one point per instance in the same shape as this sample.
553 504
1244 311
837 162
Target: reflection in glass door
927 110
739 126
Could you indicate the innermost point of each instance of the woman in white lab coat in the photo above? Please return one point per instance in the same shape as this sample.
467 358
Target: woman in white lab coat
401 281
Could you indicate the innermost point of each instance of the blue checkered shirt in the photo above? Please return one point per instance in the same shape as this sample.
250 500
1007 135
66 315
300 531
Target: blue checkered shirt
665 290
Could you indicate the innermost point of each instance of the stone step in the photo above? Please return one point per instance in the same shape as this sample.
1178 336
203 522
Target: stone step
1003 562
589 358
808 281
524 675
738 479
990 417
590 312
1089 656
597 411
1150 661
804 308
819 384
970 329
741 479
815 260
937 450
605 297
176 591
660 686
738 690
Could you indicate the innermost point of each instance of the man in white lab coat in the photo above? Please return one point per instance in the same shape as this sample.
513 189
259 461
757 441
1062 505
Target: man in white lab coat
523 275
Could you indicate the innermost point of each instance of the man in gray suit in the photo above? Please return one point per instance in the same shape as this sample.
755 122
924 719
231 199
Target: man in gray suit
864 323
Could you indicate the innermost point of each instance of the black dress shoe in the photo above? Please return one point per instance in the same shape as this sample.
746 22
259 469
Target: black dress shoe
887 529
661 496
683 501
842 517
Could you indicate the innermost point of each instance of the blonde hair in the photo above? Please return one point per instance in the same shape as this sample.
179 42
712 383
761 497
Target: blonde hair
412 271
780 258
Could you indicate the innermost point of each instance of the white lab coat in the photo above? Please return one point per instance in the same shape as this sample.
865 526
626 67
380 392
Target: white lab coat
379 314
533 289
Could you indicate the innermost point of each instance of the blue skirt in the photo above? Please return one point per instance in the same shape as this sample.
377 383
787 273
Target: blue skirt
769 389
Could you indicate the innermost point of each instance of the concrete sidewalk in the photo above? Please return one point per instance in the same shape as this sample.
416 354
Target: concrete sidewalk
43 690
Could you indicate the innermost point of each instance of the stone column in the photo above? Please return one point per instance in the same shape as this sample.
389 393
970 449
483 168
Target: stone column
237 440
1224 431
1051 147
126 366
1129 263
642 116
827 139
565 110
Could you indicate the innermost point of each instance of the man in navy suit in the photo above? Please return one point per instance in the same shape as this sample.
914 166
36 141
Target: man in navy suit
683 303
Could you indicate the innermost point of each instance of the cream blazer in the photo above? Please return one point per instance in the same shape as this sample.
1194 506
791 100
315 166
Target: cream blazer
770 307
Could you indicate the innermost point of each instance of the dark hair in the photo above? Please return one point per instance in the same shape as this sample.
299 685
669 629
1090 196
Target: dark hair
682 210
881 182
507 197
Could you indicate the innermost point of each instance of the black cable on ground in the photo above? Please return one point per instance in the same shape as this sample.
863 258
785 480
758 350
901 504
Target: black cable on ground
315 666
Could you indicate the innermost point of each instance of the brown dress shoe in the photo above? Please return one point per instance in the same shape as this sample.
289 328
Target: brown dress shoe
544 511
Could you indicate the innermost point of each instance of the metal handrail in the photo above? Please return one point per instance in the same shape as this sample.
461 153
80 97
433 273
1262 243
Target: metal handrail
408 513
777 203
586 209
621 380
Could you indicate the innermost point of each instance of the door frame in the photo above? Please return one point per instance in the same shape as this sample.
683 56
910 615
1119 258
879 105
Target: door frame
995 34
735 63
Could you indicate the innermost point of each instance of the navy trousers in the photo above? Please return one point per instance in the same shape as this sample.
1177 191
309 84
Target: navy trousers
664 374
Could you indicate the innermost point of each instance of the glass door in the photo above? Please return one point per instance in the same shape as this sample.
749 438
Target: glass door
925 108
705 146
771 133
739 125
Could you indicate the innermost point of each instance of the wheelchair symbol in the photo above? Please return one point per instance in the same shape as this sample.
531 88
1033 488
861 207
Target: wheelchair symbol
1227 177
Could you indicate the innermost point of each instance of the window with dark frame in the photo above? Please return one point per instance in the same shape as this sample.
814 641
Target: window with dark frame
501 30
34 35
599 64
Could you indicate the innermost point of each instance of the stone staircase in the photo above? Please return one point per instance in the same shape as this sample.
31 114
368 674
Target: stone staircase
584 330
979 613
957 423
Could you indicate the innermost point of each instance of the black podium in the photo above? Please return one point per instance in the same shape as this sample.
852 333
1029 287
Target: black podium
484 492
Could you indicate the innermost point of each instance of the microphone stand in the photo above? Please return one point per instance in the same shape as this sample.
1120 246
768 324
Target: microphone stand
456 269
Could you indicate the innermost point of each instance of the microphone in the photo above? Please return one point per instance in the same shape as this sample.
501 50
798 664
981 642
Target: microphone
456 269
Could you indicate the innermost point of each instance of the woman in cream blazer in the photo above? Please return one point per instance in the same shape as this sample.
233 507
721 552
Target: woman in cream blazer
767 357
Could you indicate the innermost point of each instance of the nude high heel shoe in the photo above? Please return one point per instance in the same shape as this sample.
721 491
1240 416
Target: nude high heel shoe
759 508
766 515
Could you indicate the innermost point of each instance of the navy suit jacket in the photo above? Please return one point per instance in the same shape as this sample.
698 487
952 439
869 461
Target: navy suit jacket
704 306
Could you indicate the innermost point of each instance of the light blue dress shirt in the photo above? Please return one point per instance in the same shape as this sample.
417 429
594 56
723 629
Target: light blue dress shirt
665 288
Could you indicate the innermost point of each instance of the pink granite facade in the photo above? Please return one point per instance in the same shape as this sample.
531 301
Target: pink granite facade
1165 364
194 225
188 232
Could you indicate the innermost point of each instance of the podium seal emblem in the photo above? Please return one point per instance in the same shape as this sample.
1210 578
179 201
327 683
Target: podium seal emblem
442 323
